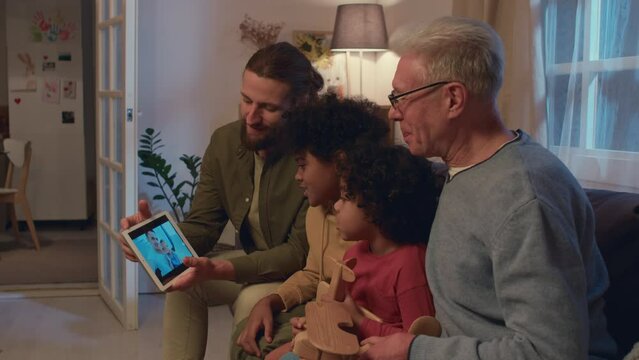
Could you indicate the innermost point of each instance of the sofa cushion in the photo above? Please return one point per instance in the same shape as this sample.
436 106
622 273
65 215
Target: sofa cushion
617 233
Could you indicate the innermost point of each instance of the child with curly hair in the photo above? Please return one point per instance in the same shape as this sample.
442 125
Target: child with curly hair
317 134
387 206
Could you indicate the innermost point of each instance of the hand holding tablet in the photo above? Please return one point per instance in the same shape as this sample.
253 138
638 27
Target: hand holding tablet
161 247
143 213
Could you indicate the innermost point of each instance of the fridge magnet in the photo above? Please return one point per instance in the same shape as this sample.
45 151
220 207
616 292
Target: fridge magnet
68 117
68 89
17 100
64 56
29 67
47 28
48 66
29 81
51 93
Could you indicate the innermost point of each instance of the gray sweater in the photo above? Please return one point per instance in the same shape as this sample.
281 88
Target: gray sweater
513 265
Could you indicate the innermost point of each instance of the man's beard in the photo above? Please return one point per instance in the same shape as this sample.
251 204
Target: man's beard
265 142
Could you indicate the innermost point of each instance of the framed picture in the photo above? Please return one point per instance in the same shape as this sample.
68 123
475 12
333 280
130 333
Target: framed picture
316 45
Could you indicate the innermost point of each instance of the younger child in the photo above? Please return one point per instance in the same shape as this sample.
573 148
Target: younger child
387 205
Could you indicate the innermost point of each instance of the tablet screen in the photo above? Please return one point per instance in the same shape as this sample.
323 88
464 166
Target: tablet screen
162 248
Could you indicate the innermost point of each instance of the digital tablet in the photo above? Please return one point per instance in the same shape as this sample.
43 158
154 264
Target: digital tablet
160 246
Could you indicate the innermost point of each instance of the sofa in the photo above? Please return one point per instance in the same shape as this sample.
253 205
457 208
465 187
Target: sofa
617 232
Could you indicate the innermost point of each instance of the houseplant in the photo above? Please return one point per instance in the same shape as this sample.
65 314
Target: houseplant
178 195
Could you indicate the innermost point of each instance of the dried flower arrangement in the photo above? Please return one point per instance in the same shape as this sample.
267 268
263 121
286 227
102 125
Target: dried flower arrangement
258 33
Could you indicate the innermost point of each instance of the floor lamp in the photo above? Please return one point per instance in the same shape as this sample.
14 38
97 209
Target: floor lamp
361 28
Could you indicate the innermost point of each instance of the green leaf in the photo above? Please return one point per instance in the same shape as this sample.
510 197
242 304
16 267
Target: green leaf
177 189
149 131
150 183
148 173
147 164
159 197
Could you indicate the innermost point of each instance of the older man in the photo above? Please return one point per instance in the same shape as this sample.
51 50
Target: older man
512 262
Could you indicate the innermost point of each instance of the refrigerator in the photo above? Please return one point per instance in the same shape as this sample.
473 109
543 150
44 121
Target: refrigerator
45 80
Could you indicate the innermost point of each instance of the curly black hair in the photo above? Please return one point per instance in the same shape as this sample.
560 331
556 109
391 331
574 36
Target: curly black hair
395 189
330 125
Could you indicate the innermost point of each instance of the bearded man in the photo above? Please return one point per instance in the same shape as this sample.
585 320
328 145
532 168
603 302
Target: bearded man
243 179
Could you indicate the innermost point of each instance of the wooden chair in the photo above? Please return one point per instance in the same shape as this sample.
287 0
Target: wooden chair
19 154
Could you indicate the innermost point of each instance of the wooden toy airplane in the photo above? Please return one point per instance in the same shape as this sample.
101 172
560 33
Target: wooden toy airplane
327 322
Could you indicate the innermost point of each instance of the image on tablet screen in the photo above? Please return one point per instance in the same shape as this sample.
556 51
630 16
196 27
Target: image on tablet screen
163 250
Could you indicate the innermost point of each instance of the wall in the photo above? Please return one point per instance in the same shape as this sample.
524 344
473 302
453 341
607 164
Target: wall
4 95
189 72
191 59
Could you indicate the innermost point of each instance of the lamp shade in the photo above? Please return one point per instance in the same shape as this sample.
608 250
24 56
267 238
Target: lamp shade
359 27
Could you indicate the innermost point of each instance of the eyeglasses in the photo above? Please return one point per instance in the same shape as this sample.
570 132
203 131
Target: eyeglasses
394 98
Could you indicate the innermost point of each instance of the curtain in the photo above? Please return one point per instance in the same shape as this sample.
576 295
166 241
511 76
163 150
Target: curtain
520 102
591 62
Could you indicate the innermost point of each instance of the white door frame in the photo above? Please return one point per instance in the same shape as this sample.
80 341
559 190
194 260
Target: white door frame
116 133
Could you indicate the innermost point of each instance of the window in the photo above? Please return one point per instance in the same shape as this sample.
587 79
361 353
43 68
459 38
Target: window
591 54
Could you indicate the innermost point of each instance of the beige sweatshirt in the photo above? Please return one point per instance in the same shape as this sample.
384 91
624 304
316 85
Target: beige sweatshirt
324 243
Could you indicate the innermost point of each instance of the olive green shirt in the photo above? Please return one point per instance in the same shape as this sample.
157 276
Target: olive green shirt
225 193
